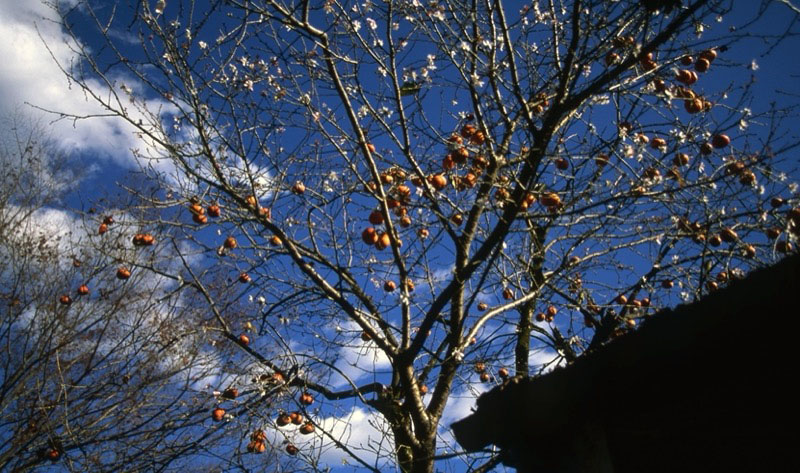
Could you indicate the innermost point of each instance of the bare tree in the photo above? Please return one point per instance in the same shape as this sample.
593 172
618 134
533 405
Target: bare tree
99 360
446 190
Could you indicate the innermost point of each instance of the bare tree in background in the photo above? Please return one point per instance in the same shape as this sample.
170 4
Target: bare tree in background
446 189
98 364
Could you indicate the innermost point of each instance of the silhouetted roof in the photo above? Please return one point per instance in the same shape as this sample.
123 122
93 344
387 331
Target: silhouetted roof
704 387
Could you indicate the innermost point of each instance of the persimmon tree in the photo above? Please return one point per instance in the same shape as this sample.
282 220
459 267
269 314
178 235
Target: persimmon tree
447 190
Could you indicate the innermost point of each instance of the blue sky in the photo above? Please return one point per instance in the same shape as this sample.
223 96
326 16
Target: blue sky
31 81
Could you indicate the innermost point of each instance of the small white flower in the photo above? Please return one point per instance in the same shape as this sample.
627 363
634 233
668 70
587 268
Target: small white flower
202 44
431 64
629 151
698 29
476 80
373 25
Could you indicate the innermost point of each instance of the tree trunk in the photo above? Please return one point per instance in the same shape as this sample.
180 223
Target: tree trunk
413 455
411 459
522 349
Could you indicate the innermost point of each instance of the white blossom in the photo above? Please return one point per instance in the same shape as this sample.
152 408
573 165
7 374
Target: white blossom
385 111
431 63
698 29
476 80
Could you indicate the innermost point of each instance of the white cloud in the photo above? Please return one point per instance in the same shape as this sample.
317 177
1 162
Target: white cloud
366 434
358 360
442 275
539 359
33 43
49 231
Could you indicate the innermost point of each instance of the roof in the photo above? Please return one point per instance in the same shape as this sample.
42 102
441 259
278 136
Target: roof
704 387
